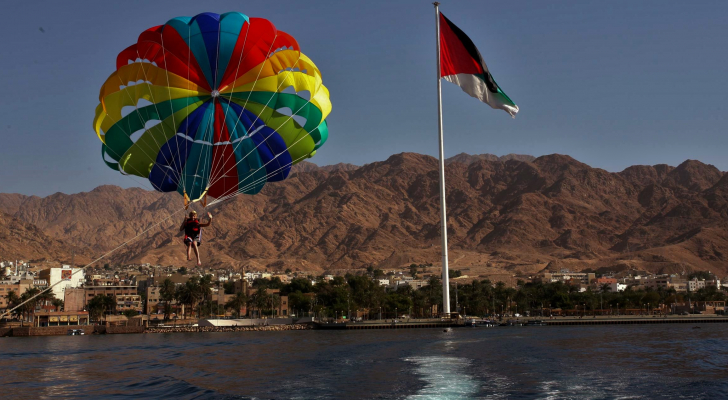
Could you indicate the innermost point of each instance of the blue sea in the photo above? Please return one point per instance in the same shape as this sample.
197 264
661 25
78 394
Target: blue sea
580 362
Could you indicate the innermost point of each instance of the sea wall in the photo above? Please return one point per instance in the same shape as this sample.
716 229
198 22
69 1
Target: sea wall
50 330
63 330
123 329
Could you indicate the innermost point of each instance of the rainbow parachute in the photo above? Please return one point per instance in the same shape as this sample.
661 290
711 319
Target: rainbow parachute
212 105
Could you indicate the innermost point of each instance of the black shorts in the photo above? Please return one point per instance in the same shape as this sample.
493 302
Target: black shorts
188 240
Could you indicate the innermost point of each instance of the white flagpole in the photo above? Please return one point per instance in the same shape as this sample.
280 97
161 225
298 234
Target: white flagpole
443 212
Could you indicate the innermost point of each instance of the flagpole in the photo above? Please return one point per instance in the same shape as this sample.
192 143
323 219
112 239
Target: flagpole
443 212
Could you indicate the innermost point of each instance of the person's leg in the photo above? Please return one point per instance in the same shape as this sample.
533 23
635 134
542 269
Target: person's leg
189 251
197 252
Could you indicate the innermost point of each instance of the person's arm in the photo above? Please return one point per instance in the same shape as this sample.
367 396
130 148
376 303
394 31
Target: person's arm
208 222
181 228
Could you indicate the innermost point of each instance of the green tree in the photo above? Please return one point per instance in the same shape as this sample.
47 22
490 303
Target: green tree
297 284
413 270
189 294
57 303
260 300
167 294
130 313
299 301
13 299
238 301
100 305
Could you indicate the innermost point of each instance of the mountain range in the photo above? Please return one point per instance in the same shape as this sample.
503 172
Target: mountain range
506 215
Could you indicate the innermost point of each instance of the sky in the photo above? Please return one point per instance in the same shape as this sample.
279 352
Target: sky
611 84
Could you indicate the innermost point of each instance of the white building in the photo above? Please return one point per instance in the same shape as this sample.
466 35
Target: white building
618 287
64 277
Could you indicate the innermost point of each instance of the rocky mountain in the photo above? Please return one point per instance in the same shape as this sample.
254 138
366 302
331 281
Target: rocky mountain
21 240
504 215
465 158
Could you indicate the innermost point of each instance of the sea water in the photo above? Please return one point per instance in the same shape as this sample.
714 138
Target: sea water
580 362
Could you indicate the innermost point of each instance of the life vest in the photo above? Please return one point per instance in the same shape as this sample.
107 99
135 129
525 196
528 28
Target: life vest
192 227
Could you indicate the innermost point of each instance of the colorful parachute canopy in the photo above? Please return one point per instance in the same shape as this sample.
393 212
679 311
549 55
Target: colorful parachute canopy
212 104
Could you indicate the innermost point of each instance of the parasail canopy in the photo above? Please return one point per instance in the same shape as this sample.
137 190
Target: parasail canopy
212 105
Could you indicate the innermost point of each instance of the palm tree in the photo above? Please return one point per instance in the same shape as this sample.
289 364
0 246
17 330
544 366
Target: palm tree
236 303
189 293
260 300
100 304
57 303
13 299
29 307
167 293
46 297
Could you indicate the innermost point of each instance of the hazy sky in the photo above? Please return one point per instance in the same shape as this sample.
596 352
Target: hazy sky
611 83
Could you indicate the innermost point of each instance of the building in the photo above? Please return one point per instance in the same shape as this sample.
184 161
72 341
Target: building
694 285
19 288
62 278
126 302
154 301
617 287
60 318
92 291
657 282
74 299
583 278
699 307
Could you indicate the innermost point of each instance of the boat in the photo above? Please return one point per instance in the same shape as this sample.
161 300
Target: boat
75 332
536 322
471 323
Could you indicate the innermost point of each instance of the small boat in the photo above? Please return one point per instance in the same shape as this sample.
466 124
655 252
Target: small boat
471 323
75 332
536 322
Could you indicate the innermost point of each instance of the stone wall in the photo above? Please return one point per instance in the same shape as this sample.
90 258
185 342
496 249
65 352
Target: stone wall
6 332
124 329
50 330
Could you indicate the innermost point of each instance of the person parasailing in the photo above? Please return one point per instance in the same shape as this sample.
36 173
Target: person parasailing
193 234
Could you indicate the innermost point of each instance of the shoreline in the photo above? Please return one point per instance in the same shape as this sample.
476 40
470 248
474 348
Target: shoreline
268 328
521 322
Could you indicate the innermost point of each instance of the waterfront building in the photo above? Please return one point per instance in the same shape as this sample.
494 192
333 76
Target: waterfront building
700 307
74 299
154 301
92 291
129 302
19 288
60 318
62 278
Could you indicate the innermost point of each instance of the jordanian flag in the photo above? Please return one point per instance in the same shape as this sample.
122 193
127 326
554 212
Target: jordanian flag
462 64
